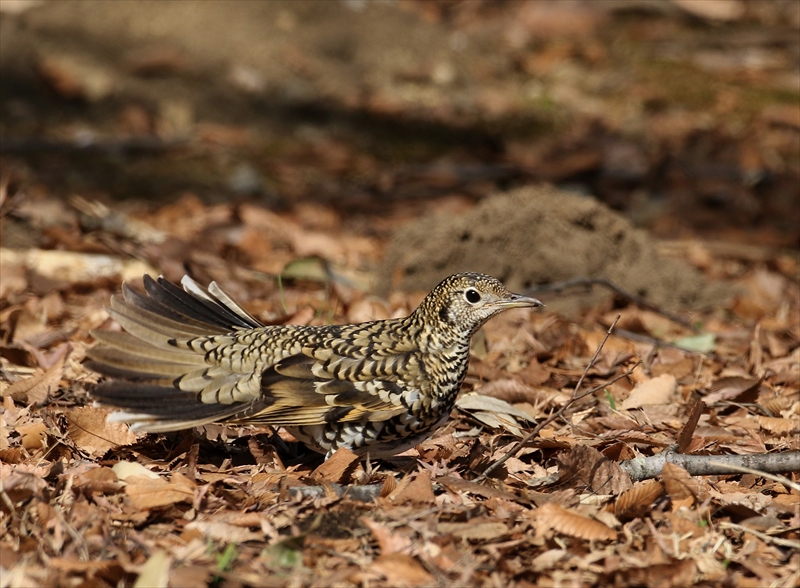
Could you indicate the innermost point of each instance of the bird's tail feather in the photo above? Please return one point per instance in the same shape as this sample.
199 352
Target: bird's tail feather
148 365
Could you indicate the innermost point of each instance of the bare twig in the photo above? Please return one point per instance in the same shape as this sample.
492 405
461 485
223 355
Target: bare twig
792 457
637 300
763 536
644 468
558 414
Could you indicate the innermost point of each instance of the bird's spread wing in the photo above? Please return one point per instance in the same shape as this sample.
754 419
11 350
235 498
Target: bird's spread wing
192 356
300 390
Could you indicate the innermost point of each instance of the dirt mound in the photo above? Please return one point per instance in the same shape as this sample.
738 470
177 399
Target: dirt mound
538 235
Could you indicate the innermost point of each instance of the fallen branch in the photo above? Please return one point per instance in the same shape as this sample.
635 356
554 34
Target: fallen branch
645 468
560 412
637 300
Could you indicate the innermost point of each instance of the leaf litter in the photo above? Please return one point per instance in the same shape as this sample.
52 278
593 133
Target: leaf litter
111 507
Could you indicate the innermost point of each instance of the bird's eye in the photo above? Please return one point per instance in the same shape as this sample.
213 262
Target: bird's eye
472 296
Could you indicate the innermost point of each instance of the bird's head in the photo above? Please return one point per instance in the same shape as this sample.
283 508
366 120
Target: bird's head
461 303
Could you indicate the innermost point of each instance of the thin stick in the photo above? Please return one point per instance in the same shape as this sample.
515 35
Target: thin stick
575 397
779 479
763 536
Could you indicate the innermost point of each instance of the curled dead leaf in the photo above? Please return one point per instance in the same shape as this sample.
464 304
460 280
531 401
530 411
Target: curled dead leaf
33 435
476 531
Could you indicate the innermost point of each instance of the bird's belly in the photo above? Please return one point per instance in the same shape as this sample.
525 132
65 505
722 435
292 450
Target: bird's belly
378 439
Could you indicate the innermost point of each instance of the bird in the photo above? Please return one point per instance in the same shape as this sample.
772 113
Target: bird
192 356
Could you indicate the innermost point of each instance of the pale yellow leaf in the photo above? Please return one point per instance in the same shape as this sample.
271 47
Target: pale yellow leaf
659 390
154 572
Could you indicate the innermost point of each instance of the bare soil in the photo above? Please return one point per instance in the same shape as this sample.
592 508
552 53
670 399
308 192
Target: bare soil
540 235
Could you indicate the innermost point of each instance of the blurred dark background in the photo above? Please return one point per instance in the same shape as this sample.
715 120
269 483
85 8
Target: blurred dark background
684 115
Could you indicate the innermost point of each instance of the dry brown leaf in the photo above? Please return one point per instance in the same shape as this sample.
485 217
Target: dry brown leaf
367 309
388 541
554 517
12 455
418 490
777 404
146 493
777 425
753 500
33 435
403 570
513 391
493 412
586 468
20 482
339 468
655 391
680 369
37 388
225 532
68 267
475 530
98 480
680 486
687 431
389 485
90 431
637 500
731 388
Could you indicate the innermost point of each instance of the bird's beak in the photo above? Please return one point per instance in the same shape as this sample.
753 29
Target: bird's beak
520 301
